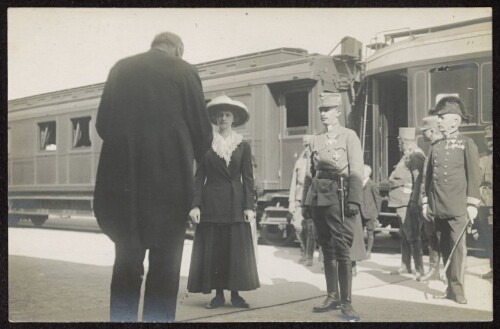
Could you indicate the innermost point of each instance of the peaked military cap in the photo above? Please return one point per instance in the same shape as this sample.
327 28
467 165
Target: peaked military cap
429 122
329 99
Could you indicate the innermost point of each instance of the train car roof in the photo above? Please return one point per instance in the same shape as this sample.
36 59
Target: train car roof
461 40
237 65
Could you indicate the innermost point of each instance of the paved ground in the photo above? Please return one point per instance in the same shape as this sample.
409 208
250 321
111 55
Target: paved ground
61 276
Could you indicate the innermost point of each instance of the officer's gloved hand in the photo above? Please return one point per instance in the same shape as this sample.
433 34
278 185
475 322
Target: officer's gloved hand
352 209
306 212
472 213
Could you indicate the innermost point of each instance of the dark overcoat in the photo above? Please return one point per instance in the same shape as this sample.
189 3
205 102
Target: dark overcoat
223 192
153 122
370 207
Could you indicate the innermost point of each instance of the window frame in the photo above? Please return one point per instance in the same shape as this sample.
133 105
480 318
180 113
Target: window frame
299 131
72 148
38 136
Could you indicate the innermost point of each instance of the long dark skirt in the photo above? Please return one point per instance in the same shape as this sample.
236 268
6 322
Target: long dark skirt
223 258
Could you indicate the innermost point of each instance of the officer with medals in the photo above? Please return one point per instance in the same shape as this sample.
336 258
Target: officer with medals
332 196
452 191
486 192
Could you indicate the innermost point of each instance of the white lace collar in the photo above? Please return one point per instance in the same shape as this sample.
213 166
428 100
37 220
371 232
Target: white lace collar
224 147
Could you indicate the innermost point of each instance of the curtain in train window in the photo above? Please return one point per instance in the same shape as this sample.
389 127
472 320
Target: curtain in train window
47 133
486 93
459 80
81 132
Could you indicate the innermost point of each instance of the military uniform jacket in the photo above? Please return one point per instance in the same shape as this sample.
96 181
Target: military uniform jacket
486 167
337 151
298 176
406 179
452 177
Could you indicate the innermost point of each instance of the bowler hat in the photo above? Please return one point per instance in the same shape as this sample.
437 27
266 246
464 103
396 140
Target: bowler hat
429 122
224 103
488 132
329 99
450 105
407 133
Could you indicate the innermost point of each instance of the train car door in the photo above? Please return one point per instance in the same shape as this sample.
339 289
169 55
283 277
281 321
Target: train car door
390 105
294 122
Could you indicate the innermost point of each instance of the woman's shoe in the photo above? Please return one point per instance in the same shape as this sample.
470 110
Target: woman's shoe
238 301
217 301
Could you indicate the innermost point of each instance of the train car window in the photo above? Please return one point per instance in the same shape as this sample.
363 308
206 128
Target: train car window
486 93
47 134
297 111
81 132
457 79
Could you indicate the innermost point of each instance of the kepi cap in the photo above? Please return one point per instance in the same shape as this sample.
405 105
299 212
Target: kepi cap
407 133
224 103
429 122
329 99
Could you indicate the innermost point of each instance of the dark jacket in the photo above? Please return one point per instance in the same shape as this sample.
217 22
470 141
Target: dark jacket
153 122
452 177
222 193
370 207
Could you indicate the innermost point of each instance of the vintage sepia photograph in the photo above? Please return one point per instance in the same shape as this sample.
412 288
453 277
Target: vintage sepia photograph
230 165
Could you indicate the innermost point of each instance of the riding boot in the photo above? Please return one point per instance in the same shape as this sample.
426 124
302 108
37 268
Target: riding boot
345 281
332 300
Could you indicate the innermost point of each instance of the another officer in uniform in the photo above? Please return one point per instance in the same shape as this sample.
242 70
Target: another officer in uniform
432 135
333 195
486 192
452 190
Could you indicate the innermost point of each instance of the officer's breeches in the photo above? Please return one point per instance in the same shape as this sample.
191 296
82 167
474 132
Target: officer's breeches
334 236
450 229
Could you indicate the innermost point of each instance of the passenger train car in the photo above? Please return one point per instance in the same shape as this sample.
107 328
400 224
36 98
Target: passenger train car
409 71
54 149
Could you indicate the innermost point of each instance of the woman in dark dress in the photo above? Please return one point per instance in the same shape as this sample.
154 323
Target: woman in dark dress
223 254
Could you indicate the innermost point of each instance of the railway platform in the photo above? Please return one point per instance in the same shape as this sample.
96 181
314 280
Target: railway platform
64 276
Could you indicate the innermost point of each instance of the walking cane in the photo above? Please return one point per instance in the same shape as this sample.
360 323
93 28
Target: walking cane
443 274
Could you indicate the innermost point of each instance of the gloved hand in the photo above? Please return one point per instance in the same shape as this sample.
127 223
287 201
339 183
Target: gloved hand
352 209
425 211
249 215
472 213
195 215
306 212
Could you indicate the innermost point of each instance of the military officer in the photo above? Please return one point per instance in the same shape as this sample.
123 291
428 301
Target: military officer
431 135
333 194
486 192
452 190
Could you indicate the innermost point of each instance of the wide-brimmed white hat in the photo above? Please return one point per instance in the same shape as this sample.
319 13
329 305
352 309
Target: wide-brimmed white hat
224 103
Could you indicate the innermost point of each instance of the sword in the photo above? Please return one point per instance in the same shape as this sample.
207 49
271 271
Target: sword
340 190
443 274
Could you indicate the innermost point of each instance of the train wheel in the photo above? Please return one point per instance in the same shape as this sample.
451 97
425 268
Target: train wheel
278 235
38 221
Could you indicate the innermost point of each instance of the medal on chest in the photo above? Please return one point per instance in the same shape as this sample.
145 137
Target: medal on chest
331 139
